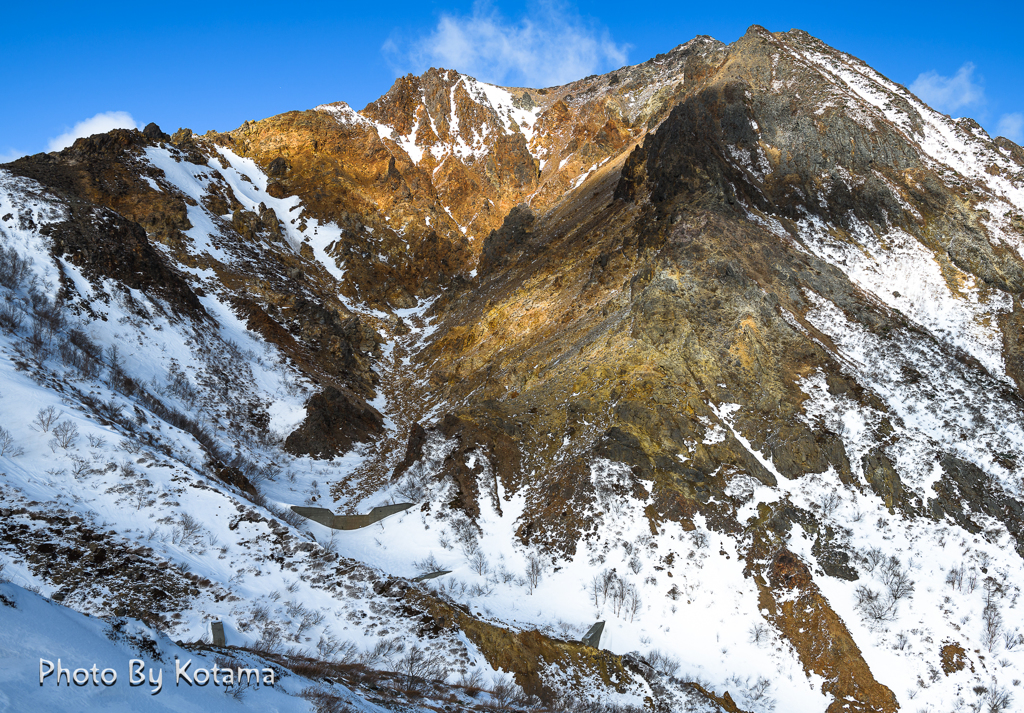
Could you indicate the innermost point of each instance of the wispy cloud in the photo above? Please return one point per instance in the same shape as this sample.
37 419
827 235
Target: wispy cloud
1012 127
950 93
550 44
101 123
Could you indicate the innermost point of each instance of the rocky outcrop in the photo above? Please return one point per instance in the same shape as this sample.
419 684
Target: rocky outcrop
335 421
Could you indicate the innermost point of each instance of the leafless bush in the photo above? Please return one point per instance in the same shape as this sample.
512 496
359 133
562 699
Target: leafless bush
14 269
874 607
872 558
758 633
991 625
47 313
69 355
110 410
11 318
47 417
38 341
534 571
288 515
428 565
418 663
270 640
955 577
309 620
188 529
473 679
383 650
504 691
240 687
635 564
65 435
661 662
995 699
829 502
8 447
130 445
325 700
478 562
79 467
896 579
759 694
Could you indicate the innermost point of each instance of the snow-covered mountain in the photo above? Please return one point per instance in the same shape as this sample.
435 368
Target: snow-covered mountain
723 350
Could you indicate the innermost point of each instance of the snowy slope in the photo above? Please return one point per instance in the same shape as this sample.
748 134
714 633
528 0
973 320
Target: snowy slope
34 629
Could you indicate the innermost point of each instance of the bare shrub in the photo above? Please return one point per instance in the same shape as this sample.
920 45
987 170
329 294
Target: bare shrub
995 699
47 313
479 563
471 679
504 691
874 607
8 447
661 662
325 700
829 501
872 558
635 564
955 577
759 693
534 571
65 434
896 579
428 565
270 640
759 633
383 650
288 515
14 269
418 664
47 417
991 625
11 318
188 529
131 445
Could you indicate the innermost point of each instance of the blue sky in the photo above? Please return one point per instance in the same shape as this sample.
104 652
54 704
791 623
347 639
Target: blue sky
68 69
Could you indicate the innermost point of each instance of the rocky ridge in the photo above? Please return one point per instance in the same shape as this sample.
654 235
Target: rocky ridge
723 348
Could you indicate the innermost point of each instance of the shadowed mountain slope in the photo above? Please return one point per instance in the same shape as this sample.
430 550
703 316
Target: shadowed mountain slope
723 349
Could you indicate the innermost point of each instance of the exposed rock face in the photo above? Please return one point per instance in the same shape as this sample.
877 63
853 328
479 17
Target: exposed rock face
756 294
335 421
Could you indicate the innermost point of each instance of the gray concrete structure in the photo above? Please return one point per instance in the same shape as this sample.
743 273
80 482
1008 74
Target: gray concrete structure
217 633
349 522
593 637
431 575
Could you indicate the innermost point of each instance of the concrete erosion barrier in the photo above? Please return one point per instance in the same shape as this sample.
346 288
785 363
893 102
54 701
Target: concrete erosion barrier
217 633
349 522
431 575
593 637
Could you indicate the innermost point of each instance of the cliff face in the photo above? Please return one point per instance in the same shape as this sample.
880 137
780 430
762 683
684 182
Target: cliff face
723 348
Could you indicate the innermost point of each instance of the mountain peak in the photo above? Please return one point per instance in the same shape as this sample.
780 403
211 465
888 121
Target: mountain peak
721 351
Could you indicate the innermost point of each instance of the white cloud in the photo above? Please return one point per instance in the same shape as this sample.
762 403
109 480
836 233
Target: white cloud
12 154
1012 127
549 45
949 93
99 124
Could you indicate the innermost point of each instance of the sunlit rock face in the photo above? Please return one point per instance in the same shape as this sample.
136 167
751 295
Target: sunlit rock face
723 350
